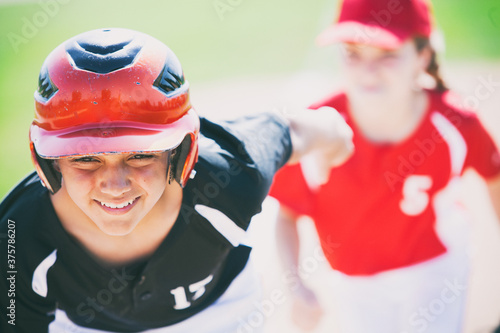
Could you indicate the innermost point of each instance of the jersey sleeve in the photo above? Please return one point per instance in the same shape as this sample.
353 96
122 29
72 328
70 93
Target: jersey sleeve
482 154
292 191
237 162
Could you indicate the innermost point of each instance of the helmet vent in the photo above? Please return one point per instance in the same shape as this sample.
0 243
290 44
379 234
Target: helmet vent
171 77
104 51
46 88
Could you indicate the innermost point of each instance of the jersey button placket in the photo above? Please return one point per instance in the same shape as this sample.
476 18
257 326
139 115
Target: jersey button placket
145 296
142 291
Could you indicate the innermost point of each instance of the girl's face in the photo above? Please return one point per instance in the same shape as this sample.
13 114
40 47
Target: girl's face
380 76
115 191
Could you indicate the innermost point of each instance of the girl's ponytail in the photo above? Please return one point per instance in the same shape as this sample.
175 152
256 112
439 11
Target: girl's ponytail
433 68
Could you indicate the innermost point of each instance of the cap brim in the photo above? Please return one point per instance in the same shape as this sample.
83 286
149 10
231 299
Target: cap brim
359 33
119 138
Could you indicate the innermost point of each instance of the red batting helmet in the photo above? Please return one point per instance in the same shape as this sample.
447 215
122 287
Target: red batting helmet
112 91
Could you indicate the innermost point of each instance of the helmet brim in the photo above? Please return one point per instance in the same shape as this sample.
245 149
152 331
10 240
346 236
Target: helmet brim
114 138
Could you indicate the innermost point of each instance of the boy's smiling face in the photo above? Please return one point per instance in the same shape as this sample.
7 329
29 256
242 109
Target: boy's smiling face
116 191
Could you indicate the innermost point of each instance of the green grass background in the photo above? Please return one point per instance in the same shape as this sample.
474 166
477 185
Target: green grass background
252 37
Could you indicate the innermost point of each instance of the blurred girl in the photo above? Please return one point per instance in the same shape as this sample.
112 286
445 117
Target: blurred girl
389 219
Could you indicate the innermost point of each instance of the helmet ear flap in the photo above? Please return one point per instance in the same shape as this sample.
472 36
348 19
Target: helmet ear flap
180 159
51 178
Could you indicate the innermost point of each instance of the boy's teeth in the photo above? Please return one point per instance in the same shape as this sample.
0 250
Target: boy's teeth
117 206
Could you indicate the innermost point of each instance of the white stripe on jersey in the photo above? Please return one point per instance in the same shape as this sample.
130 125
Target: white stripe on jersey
223 224
39 282
451 217
455 141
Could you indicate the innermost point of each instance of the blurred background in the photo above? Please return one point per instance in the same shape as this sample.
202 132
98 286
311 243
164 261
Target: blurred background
243 56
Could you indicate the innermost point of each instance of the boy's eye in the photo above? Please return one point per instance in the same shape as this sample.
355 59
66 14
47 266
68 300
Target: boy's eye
86 159
141 157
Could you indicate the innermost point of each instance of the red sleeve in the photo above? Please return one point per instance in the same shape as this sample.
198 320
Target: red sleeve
291 190
338 100
482 155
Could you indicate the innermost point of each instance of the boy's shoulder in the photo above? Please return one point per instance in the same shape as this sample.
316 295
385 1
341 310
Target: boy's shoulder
24 199
26 216
28 208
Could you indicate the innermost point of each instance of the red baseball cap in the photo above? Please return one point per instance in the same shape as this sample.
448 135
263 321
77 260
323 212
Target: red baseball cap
382 23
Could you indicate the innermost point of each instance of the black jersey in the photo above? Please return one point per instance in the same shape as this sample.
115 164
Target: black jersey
43 268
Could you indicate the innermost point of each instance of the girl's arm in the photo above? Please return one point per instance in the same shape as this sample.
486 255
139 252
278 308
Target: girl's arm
306 310
494 190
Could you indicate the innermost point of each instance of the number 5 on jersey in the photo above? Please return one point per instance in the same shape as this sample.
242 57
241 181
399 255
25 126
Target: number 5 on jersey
415 197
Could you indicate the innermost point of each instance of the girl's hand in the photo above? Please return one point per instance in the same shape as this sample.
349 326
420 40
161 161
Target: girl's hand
306 310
